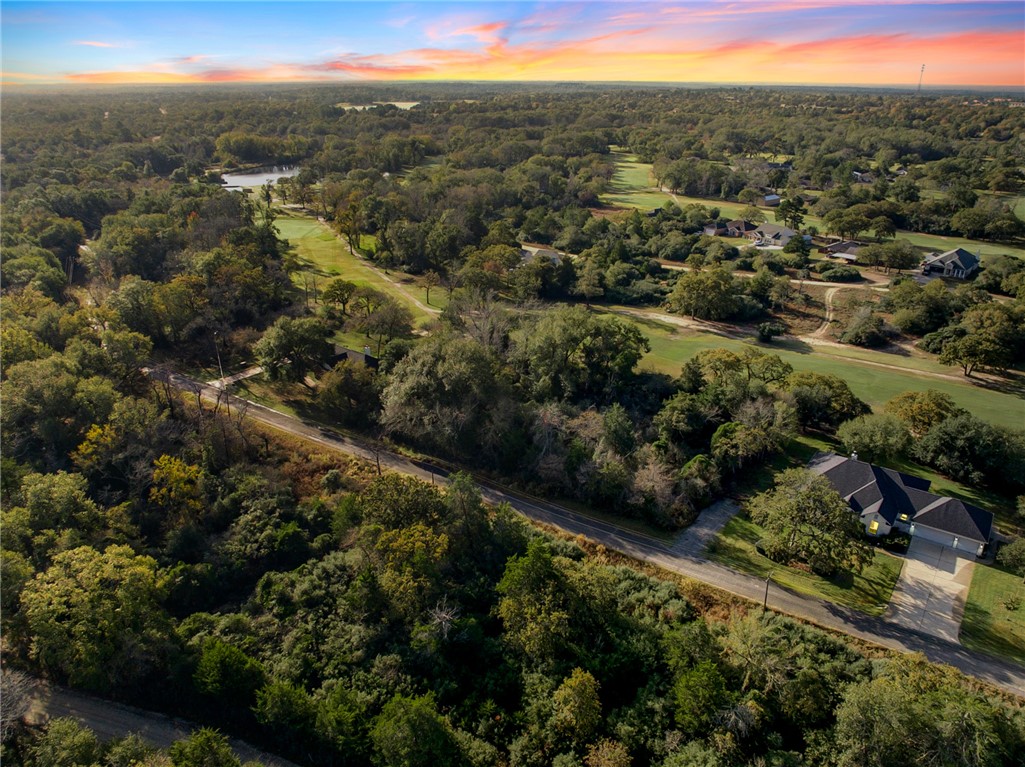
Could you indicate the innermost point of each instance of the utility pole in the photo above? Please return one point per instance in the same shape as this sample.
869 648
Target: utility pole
222 388
920 76
765 600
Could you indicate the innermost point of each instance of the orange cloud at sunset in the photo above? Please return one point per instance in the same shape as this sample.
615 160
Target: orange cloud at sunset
649 54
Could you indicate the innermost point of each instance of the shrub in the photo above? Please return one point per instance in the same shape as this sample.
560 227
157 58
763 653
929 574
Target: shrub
769 330
841 274
866 329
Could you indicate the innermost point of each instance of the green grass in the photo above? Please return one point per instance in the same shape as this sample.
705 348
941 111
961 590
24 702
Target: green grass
633 186
323 255
868 592
987 624
671 346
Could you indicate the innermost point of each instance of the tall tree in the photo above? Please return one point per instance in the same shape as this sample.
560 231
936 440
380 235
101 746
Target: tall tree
806 520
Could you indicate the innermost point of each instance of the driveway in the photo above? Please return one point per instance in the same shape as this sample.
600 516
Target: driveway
930 594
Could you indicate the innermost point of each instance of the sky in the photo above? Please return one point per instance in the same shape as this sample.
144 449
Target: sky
815 42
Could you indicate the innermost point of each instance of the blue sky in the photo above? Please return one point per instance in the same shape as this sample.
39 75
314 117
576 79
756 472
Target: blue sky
799 41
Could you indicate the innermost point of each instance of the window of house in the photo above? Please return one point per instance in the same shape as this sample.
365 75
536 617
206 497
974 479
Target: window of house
903 517
873 526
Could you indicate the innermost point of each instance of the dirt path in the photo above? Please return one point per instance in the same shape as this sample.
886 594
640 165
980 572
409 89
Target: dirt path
822 329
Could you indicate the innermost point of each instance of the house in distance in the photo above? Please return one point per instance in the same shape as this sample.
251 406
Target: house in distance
958 263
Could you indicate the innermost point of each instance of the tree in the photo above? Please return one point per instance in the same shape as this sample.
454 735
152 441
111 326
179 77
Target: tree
866 329
883 227
409 733
95 618
708 295
227 674
533 604
65 743
350 392
291 348
822 401
339 291
876 438
900 255
791 212
806 520
577 714
589 281
570 353
993 337
608 753
752 214
1012 556
449 393
410 559
969 449
698 694
431 279
203 748
388 319
16 689
921 410
177 491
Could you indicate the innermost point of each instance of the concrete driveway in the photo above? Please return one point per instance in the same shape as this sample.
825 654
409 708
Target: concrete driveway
930 594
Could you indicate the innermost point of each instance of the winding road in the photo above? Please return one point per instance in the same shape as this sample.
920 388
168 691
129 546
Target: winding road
684 555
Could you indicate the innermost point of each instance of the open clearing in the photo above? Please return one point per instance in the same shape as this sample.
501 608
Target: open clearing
988 625
868 591
325 256
671 346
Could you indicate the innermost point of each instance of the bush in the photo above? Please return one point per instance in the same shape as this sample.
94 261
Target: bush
841 274
769 330
866 329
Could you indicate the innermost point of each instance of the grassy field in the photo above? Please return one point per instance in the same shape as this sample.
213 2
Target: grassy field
987 624
671 346
324 255
633 186
869 592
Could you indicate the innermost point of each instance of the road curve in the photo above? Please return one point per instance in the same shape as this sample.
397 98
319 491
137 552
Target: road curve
111 720
684 555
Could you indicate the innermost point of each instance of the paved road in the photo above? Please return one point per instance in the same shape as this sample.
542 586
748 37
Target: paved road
114 720
684 555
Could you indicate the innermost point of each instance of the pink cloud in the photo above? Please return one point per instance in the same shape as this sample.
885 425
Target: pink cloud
483 33
96 44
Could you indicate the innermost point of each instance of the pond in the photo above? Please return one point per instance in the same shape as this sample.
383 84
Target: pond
254 178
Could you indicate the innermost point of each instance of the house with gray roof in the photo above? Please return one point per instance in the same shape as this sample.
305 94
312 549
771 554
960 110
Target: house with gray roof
887 500
770 235
958 263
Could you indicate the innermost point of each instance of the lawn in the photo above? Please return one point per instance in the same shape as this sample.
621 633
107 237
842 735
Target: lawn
633 186
987 624
671 346
323 256
868 592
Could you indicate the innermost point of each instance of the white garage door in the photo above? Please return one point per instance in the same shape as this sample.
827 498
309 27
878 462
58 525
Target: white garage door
946 539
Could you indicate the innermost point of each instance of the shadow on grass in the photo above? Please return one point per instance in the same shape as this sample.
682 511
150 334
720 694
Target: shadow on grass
1011 384
979 631
793 345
